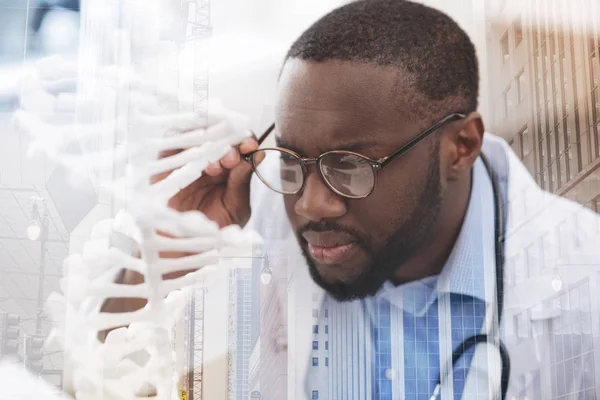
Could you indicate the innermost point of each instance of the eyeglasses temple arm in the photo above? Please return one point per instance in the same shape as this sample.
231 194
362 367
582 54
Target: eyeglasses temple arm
421 136
266 134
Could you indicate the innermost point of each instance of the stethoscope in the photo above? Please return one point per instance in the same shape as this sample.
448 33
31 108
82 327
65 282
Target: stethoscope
474 340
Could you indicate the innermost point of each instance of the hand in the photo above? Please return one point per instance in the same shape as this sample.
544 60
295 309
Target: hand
222 193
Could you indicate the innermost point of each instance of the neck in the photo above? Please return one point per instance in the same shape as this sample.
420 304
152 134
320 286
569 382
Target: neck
429 258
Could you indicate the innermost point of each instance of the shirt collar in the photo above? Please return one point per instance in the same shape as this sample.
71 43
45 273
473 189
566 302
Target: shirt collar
470 269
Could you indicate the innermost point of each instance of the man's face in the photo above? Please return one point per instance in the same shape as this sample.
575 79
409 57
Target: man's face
354 245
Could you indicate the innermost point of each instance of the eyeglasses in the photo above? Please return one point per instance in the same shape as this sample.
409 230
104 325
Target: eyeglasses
347 173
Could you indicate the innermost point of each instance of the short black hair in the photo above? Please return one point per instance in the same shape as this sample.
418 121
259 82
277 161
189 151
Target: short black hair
439 55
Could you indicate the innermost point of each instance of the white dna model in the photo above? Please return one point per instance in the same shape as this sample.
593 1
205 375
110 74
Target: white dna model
137 358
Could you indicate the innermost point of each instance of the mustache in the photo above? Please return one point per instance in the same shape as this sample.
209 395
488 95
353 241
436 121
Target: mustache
331 226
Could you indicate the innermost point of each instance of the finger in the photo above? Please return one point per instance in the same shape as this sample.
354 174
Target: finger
214 169
239 175
231 159
248 145
257 158
237 195
234 155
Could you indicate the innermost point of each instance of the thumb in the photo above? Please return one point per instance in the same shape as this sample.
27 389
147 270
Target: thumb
237 194
238 180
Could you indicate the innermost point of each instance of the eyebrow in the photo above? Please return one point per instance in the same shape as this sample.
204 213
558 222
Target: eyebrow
354 147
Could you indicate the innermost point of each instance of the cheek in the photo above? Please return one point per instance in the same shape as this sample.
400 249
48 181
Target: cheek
389 206
289 202
377 217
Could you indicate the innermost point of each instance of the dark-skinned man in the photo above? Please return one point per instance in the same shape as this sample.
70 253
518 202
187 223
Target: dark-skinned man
406 213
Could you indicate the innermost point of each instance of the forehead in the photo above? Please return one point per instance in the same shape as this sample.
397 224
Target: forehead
338 101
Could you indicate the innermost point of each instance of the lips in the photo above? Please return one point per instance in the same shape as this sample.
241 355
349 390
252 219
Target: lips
330 248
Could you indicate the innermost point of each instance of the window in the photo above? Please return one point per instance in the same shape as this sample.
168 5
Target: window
327 361
545 62
315 329
594 64
315 395
518 27
546 249
573 160
315 361
327 329
526 148
525 140
326 313
564 71
531 255
327 343
520 269
560 138
552 46
507 101
521 86
315 345
504 46
315 313
516 146
560 38
573 146
523 326
595 120
315 297
562 235
537 65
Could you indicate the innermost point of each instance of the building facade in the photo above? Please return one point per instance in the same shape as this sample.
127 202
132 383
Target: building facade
273 332
318 372
242 287
544 57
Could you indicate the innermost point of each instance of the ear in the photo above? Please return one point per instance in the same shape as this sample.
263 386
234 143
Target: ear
467 142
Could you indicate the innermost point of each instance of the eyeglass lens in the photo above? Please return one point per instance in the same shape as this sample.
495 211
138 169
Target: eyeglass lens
348 174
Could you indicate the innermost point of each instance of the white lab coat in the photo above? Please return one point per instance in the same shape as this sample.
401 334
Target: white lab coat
536 328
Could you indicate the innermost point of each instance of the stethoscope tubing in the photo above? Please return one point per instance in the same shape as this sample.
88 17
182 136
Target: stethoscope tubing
499 250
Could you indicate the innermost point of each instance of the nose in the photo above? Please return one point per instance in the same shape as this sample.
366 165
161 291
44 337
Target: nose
317 201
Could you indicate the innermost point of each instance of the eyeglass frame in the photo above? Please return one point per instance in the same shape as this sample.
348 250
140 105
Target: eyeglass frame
376 165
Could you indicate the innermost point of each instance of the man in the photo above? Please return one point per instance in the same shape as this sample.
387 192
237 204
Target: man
379 160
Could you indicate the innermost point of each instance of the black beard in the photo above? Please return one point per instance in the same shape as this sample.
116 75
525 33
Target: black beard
397 250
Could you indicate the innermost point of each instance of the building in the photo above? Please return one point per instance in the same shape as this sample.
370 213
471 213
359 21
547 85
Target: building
273 334
318 371
544 57
241 288
546 63
255 327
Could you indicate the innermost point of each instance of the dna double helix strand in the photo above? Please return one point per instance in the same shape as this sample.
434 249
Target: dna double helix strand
125 118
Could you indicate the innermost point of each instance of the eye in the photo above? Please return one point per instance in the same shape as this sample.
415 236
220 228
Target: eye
288 158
